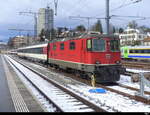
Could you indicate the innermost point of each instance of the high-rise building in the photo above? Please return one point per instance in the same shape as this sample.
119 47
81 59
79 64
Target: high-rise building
45 20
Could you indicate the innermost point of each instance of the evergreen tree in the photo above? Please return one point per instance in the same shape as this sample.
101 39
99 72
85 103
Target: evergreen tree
121 30
97 27
42 35
47 34
81 28
114 29
111 29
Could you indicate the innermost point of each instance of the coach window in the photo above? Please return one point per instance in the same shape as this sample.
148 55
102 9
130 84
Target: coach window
136 51
72 45
54 46
33 50
39 50
142 51
148 51
62 46
131 51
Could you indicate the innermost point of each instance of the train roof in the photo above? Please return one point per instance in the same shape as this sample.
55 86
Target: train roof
86 35
137 47
35 46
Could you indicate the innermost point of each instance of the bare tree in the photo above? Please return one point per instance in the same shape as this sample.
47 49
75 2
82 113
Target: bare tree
133 24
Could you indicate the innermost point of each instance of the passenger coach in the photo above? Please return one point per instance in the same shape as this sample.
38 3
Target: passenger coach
136 52
35 52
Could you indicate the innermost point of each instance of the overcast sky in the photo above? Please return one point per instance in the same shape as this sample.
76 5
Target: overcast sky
10 18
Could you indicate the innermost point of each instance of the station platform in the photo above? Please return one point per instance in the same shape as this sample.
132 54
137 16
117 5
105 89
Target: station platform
14 96
6 103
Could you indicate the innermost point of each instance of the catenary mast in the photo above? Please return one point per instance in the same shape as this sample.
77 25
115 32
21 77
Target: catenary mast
107 17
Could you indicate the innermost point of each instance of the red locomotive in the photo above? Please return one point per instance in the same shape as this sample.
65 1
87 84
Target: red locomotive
87 55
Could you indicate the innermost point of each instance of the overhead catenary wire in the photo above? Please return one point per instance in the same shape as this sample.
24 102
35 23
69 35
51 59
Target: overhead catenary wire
134 17
124 5
87 18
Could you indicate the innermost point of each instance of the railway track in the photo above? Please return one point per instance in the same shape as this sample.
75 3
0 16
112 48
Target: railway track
111 89
126 94
137 98
121 92
137 65
132 88
65 96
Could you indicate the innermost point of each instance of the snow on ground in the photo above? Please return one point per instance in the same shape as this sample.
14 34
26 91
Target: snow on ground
109 99
48 107
118 102
125 90
136 70
126 80
50 90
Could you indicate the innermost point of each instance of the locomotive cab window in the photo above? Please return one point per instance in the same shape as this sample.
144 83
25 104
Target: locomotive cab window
98 45
114 45
89 45
72 46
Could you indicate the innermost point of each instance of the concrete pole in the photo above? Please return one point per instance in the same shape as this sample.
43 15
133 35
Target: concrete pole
107 17
35 25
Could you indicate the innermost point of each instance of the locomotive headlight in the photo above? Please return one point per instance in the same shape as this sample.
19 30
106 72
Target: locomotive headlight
118 62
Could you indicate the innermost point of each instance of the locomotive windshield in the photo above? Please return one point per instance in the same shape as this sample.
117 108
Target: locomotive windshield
114 45
96 45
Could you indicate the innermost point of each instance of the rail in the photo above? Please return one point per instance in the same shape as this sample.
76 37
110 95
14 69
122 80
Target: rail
84 101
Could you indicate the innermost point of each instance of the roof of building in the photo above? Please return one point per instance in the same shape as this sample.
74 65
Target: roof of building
147 39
